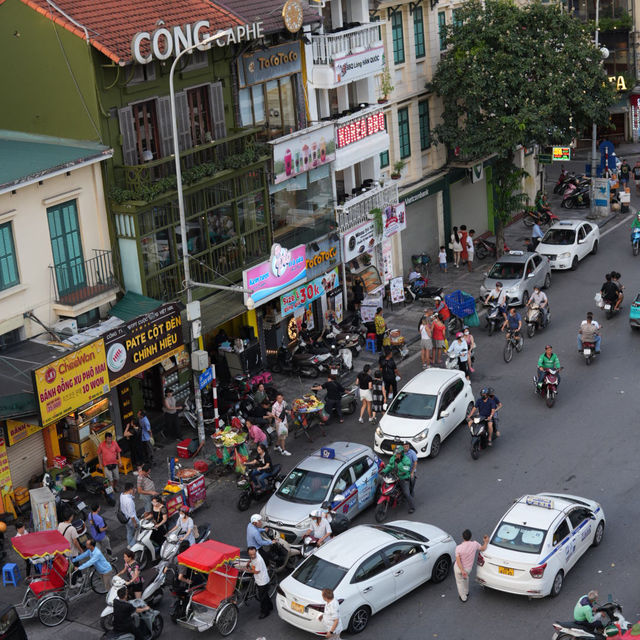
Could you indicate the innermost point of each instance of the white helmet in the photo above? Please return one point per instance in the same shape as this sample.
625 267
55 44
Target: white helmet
316 513
256 517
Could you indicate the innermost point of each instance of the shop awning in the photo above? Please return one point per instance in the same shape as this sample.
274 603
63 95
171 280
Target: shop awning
132 305
220 308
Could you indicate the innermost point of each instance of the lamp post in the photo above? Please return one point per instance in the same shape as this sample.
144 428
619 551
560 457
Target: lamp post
594 127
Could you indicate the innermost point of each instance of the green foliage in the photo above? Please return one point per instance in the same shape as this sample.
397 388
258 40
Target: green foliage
507 196
386 87
377 220
622 23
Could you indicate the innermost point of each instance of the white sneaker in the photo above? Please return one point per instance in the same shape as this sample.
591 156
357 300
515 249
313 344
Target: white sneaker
360 420
278 448
372 419
285 452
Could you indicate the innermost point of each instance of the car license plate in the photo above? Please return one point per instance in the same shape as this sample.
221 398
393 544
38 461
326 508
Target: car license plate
607 307
358 348
109 490
81 506
297 607
505 571
587 352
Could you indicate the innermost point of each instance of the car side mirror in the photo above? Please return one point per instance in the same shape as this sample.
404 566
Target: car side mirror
592 516
444 414
581 241
531 275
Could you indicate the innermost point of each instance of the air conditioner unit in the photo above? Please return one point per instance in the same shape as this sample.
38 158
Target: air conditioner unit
317 4
66 327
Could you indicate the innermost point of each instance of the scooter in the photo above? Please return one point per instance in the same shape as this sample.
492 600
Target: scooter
292 362
335 336
549 387
252 491
562 178
609 309
149 621
419 289
589 352
635 241
479 435
571 629
534 319
390 496
68 505
94 485
494 318
576 197
486 248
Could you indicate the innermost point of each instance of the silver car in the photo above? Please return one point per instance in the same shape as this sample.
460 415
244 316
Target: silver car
344 469
519 272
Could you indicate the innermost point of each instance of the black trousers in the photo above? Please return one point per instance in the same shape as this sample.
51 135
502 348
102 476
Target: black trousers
266 606
330 404
391 387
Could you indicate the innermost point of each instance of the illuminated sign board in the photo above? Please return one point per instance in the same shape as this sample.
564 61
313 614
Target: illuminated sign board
360 129
561 154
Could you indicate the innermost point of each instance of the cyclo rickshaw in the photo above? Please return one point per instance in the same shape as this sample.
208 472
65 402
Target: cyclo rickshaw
56 585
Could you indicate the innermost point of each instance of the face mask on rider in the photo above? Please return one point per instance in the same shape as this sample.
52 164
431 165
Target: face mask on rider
466 333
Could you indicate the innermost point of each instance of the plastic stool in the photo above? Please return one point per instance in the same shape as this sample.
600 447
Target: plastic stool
10 574
370 345
125 465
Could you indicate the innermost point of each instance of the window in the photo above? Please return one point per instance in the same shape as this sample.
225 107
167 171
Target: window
518 537
145 123
66 246
199 114
560 533
10 338
578 516
9 276
398 37
384 156
319 574
143 73
423 118
455 18
537 260
360 467
370 568
403 133
343 482
581 234
397 553
418 406
307 487
418 32
442 23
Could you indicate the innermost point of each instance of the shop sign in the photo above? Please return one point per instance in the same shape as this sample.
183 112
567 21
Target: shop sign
269 278
396 288
360 129
165 42
143 342
261 66
18 431
394 219
206 377
358 240
302 151
308 292
358 65
619 81
601 189
5 472
387 261
71 381
322 255
561 154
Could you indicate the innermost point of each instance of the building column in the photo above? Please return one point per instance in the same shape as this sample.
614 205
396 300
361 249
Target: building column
324 110
336 13
343 98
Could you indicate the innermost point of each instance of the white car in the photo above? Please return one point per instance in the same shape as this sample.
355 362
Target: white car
426 410
569 241
538 541
368 567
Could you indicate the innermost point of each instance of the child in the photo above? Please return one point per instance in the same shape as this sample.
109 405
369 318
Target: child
442 260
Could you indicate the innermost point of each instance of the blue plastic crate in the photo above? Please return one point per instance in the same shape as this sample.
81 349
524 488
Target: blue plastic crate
461 304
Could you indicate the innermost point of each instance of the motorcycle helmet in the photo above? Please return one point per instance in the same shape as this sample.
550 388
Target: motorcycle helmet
459 334
484 392
316 513
437 298
491 391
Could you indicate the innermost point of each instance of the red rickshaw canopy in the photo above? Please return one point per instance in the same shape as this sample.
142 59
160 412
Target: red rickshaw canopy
208 556
41 544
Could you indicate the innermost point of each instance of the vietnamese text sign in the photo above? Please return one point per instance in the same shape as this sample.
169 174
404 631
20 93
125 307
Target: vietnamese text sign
269 278
5 473
143 342
308 292
358 65
71 381
359 240
18 430
206 377
561 154
394 219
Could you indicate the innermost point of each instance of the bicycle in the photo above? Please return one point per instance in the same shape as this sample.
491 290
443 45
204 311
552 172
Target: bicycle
514 341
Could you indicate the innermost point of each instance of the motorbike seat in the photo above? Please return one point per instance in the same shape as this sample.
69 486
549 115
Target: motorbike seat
572 624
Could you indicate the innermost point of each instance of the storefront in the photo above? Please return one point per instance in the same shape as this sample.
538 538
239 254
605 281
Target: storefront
25 450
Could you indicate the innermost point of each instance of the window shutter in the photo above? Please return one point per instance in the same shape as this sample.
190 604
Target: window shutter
300 100
216 103
128 133
163 110
184 121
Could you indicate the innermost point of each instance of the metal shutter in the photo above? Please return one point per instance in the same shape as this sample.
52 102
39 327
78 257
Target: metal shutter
184 121
216 98
128 133
25 459
163 109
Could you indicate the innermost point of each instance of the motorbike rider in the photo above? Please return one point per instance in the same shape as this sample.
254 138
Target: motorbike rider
615 278
401 464
636 221
441 309
268 549
459 348
589 331
539 297
262 467
547 360
585 614
514 322
610 292
320 528
123 618
471 344
485 407
500 296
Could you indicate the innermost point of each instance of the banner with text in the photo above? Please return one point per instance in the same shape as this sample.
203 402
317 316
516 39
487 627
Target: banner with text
358 65
307 293
18 430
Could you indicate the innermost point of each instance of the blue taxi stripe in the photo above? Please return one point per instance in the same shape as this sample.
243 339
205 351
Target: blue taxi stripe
582 524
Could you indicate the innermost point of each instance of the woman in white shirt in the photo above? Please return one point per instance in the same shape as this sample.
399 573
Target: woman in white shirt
456 246
185 527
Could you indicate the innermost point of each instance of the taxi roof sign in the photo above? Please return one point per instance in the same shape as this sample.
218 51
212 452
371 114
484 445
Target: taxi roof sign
328 453
539 501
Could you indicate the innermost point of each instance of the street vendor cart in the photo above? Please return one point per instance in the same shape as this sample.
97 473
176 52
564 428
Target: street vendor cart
185 487
308 412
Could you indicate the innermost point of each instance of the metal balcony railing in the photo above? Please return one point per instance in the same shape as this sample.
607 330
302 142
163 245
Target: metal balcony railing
354 211
326 46
77 280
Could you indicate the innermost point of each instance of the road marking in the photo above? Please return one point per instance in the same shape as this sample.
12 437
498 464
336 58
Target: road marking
604 233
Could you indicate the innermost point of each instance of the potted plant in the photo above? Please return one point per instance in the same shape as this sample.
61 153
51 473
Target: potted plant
376 216
385 85
397 169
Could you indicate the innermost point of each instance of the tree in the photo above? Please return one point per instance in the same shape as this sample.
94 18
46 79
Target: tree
512 76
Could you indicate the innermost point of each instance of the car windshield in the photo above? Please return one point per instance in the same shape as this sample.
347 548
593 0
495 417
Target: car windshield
319 573
413 405
507 271
304 486
400 533
559 236
517 537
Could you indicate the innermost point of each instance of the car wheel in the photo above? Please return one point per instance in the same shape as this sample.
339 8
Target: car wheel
595 248
525 298
469 409
435 447
547 281
359 619
597 538
441 569
556 587
574 263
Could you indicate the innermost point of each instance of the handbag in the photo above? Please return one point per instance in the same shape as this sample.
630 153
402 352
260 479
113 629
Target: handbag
122 519
451 245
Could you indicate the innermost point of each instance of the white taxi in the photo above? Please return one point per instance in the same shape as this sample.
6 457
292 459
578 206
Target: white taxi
538 541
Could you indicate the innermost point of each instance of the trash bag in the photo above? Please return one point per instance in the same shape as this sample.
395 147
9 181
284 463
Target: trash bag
472 320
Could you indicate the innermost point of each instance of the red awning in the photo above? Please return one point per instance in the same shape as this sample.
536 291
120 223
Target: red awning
41 544
208 556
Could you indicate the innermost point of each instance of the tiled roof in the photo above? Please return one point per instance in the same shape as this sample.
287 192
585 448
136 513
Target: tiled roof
111 24
269 11
27 158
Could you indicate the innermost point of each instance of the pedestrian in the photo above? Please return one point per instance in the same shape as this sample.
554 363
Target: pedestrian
21 530
146 487
330 617
410 452
471 249
464 254
426 345
93 558
132 434
258 568
170 409
471 344
358 291
536 235
456 246
442 260
133 580
260 395
381 328
68 530
128 508
365 383
437 335
378 395
146 437
636 175
98 530
109 459
333 399
465 558
255 433
625 172
390 374
279 409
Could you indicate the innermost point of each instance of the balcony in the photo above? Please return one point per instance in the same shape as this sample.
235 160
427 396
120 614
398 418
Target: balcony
346 56
359 136
81 285
354 211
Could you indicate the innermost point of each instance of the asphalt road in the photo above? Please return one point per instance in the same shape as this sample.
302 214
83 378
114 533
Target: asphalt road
585 444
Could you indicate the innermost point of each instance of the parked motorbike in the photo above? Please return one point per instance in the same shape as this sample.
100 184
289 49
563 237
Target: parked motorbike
251 490
479 435
68 504
291 361
151 623
589 351
190 415
534 319
543 217
92 484
494 318
419 289
486 248
335 336
390 496
340 361
572 630
549 387
562 178
576 197
635 241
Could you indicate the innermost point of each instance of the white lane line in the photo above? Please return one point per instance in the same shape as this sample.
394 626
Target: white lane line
625 221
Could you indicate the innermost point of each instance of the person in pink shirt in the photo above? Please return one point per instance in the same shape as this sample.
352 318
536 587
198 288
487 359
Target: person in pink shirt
256 434
465 559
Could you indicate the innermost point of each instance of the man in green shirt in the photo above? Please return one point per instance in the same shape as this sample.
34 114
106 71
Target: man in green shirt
636 221
548 360
583 612
401 464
